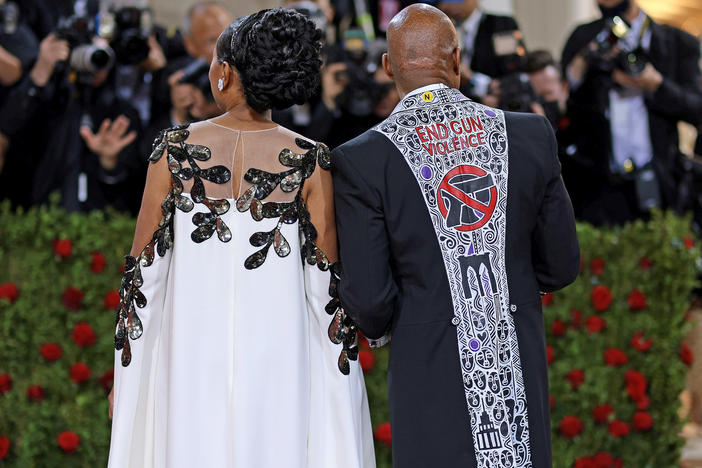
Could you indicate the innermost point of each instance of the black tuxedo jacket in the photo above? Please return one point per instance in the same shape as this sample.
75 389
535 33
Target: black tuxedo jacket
394 275
675 54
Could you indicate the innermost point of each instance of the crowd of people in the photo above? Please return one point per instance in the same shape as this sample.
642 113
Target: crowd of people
84 91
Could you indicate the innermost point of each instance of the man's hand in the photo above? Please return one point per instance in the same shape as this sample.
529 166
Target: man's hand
51 50
110 139
111 399
182 97
650 79
156 60
332 87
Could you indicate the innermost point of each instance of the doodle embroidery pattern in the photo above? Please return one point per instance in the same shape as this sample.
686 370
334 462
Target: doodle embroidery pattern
457 150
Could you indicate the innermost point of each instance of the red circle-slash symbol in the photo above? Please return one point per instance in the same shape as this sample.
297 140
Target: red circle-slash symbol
467 197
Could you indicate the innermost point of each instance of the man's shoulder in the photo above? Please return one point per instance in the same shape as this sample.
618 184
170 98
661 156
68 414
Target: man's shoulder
499 21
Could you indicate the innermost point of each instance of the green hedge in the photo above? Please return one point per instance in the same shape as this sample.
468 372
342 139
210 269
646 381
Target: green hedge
66 269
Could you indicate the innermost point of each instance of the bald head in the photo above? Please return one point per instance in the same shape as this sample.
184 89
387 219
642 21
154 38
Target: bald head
422 49
204 23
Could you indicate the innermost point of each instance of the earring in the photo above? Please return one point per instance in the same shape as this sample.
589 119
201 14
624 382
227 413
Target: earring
220 84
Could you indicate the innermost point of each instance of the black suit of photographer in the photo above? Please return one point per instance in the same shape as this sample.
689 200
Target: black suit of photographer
675 55
485 59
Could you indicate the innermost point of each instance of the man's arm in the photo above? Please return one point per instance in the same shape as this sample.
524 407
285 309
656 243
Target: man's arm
367 289
555 250
682 98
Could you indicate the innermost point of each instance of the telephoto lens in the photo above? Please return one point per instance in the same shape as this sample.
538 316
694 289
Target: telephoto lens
91 58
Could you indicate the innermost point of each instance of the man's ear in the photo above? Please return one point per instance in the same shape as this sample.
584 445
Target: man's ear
456 66
387 67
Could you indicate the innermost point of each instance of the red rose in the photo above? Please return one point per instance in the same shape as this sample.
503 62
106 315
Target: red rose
639 343
585 463
4 446
111 300
551 401
597 266
63 247
603 460
635 384
618 463
576 317
98 262
686 354
550 354
35 393
50 351
643 402
689 242
383 433
558 328
642 421
601 298
618 428
645 263
595 324
5 383
73 298
83 335
367 360
601 413
547 299
68 441
636 300
79 372
107 379
9 291
570 426
362 341
576 377
615 357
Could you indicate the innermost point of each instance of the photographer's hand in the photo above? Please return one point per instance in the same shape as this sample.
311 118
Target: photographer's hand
51 50
10 68
110 139
156 59
332 86
182 98
650 79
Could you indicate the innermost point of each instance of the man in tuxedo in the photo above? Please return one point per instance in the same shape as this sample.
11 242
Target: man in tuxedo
625 113
478 35
452 217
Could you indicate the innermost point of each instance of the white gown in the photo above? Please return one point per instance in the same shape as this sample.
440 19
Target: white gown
234 366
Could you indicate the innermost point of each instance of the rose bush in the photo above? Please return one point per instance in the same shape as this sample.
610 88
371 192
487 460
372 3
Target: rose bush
57 321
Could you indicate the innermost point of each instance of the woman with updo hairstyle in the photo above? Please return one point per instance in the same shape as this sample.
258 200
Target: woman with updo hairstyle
232 346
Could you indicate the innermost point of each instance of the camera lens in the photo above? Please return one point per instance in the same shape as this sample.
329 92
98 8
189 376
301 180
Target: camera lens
90 58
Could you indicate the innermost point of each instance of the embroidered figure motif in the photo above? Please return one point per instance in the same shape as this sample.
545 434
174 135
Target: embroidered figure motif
457 151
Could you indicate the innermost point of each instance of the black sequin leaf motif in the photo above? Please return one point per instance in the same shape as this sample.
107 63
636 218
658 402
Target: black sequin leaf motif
266 239
182 163
342 329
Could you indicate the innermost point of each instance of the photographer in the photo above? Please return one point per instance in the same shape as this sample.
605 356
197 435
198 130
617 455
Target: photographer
481 37
184 84
68 130
631 81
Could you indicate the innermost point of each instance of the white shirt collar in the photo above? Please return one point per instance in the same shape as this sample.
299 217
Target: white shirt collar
423 89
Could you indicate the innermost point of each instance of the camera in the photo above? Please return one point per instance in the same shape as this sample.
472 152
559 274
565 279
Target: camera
606 58
362 93
197 74
9 18
128 30
517 94
86 57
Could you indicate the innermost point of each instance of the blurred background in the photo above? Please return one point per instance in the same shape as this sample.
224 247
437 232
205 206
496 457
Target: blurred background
87 85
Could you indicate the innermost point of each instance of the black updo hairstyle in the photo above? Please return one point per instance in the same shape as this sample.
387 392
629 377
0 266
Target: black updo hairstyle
277 55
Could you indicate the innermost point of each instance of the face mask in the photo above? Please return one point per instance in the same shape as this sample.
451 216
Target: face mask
616 10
